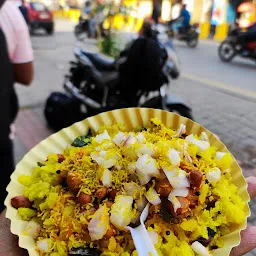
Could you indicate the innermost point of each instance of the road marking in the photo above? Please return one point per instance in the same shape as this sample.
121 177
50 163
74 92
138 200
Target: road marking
220 85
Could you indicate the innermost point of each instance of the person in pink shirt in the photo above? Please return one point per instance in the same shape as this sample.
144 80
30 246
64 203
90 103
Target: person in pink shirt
18 41
16 66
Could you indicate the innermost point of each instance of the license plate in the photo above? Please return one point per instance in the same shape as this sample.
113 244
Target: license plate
44 16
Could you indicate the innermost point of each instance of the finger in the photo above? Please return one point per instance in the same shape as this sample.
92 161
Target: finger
248 242
251 186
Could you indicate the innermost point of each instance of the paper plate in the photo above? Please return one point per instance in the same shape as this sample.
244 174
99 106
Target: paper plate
132 118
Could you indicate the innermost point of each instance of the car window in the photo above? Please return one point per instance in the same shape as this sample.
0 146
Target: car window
38 7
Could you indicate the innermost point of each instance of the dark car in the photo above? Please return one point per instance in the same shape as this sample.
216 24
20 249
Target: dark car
40 17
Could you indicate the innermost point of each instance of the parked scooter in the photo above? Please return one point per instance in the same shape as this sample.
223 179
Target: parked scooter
233 47
189 35
93 87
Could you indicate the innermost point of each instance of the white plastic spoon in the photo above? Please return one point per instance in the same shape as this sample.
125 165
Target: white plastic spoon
141 239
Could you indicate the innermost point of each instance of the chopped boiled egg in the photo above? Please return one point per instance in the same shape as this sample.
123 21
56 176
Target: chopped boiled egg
121 211
213 175
101 137
177 178
99 223
200 249
174 156
153 197
202 145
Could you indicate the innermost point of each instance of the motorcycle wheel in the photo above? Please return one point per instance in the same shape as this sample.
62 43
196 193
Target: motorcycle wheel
192 42
226 51
181 110
79 33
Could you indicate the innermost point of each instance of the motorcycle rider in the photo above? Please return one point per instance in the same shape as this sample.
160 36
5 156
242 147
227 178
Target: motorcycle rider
142 69
185 18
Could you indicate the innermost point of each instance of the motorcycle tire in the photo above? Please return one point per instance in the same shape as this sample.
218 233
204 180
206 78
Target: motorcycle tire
192 42
79 33
181 110
226 51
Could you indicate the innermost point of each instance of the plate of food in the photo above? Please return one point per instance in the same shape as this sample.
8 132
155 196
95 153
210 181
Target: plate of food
83 189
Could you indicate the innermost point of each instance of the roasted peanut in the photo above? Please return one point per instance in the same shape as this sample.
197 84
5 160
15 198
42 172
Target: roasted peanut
163 187
112 194
195 178
184 205
61 158
109 204
20 201
73 182
111 231
101 193
84 199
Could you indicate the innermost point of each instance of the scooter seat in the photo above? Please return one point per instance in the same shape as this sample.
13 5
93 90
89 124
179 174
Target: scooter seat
100 63
110 79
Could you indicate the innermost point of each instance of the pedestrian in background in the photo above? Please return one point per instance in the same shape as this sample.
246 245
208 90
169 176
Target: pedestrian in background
16 66
24 10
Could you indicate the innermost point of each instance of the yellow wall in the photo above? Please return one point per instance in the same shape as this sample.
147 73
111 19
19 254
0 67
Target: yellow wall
197 11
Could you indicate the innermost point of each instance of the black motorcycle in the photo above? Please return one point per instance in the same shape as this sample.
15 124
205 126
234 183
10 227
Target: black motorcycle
190 35
233 46
93 87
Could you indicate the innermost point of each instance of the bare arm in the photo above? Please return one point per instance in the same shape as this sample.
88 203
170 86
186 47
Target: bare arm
24 73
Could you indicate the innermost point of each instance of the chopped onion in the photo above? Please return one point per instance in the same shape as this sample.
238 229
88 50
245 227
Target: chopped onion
99 223
120 138
219 155
106 178
146 166
130 140
121 211
141 203
213 175
174 156
131 168
186 154
44 245
204 136
181 130
101 137
140 138
132 189
180 192
153 236
175 202
144 179
99 157
32 229
200 249
153 197
146 150
177 178
202 145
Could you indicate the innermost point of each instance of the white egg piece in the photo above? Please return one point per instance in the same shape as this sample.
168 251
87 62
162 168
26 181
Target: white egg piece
147 165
